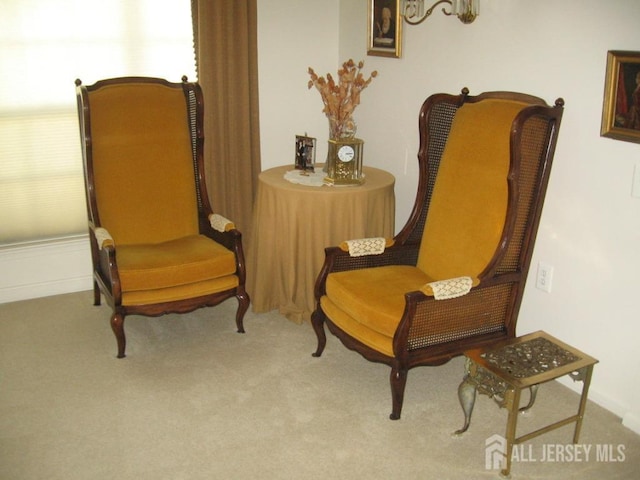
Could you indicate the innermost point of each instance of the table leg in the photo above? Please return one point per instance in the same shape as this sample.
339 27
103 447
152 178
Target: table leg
512 402
467 396
586 381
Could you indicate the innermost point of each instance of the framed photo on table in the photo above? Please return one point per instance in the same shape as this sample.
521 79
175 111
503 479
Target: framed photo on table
384 28
305 153
621 105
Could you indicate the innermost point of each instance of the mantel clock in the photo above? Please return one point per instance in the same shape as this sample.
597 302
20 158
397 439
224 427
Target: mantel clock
344 162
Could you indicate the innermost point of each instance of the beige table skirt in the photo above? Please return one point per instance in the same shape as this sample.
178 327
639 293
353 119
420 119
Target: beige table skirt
294 223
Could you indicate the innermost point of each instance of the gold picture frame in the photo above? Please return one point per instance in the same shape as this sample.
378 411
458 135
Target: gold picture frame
621 105
384 28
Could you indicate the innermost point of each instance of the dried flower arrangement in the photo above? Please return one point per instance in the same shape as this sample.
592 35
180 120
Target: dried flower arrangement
340 99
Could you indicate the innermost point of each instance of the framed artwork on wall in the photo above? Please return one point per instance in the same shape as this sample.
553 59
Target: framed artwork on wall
621 105
384 28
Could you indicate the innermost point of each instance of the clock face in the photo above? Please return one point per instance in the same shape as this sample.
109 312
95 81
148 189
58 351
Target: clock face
346 153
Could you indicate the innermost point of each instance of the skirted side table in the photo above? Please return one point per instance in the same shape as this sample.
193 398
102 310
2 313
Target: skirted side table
294 223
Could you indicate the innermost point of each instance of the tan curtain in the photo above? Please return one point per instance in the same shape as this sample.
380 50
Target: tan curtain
226 46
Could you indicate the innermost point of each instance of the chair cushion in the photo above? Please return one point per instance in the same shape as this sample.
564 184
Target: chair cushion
143 163
184 261
368 304
180 292
470 197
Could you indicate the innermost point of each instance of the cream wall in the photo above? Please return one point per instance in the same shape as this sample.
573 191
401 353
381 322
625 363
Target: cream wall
293 35
550 48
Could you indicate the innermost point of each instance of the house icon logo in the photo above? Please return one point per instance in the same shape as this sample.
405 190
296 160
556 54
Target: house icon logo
495 452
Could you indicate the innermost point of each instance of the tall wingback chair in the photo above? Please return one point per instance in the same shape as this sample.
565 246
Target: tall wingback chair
453 278
156 245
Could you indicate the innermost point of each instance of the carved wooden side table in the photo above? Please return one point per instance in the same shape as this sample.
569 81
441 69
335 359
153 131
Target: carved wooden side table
504 369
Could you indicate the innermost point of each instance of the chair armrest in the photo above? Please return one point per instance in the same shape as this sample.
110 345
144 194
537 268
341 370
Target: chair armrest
366 246
103 237
223 231
339 260
427 322
220 229
220 223
104 262
449 288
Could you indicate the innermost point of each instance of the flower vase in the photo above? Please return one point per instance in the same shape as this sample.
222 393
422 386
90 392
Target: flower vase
340 130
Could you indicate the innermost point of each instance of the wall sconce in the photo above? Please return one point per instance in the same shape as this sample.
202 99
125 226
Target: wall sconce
414 13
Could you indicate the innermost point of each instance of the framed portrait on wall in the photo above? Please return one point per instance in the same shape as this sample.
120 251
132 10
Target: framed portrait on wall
621 105
384 28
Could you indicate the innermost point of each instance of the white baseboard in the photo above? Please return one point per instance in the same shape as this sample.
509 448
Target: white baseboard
45 268
632 422
628 417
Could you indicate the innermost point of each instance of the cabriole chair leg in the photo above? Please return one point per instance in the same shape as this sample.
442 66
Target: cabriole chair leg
317 321
398 380
117 325
243 306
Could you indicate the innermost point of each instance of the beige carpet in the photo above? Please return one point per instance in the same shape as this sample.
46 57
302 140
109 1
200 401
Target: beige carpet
196 400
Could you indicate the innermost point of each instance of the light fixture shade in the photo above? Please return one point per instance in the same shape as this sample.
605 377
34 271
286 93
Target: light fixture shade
465 10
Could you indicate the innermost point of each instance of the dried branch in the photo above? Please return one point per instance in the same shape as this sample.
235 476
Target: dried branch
341 99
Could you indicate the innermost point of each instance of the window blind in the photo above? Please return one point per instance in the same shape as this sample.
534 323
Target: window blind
44 46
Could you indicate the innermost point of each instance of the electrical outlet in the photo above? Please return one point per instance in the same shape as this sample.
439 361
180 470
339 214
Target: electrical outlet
545 275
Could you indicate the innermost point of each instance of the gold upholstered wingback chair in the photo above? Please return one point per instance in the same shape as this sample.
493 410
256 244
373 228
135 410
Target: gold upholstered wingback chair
156 245
453 278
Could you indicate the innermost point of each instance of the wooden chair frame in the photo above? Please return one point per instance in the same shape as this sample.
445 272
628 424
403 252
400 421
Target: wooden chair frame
503 280
105 267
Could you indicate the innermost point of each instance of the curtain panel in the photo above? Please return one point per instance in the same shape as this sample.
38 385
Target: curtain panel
226 46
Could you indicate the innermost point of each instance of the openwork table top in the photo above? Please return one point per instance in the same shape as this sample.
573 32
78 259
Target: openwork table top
531 359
